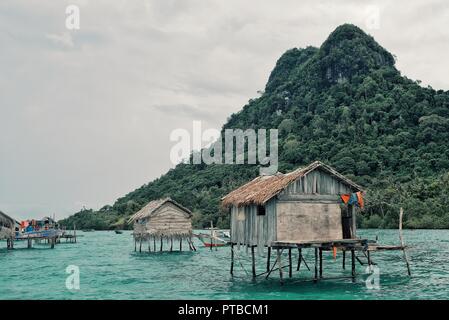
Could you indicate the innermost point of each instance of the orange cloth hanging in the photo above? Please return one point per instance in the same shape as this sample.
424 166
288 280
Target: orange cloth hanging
360 199
345 198
334 252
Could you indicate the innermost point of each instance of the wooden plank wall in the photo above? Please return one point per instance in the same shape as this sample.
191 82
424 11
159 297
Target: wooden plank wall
247 228
317 182
169 219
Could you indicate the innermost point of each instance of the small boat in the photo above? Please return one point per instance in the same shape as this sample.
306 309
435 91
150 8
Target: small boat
118 231
217 238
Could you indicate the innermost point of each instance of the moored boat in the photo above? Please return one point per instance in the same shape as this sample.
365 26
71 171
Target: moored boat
217 238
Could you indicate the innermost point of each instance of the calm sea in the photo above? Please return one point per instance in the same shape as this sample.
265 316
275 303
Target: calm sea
110 269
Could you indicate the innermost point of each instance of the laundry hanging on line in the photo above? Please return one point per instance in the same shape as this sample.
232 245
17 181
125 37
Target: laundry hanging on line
353 198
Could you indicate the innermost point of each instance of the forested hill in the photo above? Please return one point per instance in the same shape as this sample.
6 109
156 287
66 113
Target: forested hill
345 104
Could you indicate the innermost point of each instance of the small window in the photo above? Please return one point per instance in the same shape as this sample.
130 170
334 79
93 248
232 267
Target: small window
260 210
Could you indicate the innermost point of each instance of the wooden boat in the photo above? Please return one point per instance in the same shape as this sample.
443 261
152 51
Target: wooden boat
217 238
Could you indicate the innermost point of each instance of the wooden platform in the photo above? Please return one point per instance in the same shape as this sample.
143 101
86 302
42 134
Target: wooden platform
341 244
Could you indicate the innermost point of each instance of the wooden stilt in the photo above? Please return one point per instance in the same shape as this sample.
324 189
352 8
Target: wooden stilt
135 244
29 244
180 244
190 245
353 264
268 258
299 259
149 244
279 255
344 259
253 258
161 244
232 259
289 262
321 262
154 243
140 244
401 213
171 244
193 246
52 243
315 279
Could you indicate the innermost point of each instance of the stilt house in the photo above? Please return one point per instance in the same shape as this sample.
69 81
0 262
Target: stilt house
303 205
162 219
7 226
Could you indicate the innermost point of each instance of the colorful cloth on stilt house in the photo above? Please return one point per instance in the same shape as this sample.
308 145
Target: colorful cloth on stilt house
345 198
353 198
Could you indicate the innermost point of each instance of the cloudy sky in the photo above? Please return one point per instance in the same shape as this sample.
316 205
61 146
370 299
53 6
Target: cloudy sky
85 115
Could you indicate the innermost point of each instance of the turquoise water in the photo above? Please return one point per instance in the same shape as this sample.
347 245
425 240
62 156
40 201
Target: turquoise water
110 269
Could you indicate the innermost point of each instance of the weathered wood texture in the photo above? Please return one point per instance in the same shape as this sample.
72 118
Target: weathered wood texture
167 220
248 228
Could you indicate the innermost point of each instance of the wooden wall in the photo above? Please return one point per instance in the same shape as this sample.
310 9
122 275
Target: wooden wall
318 182
248 228
169 219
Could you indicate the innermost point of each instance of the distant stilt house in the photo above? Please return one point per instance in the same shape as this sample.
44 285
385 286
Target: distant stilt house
313 207
163 220
7 229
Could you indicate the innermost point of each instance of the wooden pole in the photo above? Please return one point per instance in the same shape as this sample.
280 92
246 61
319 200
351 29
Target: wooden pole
193 246
171 243
299 259
74 232
29 243
154 243
253 258
316 265
289 262
232 259
321 262
149 244
180 244
279 265
268 259
344 259
401 214
161 244
354 222
135 244
140 244
211 235
52 243
353 264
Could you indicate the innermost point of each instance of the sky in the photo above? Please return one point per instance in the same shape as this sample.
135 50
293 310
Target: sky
86 114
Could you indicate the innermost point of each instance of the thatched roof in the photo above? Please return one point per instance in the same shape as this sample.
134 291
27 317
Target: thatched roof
152 206
5 219
264 188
